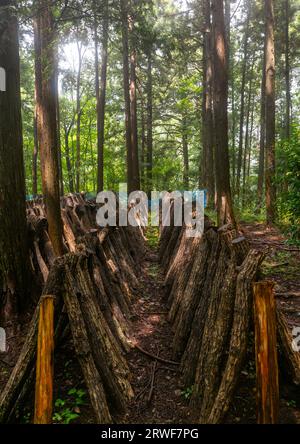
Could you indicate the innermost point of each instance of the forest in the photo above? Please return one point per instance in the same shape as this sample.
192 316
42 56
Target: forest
147 324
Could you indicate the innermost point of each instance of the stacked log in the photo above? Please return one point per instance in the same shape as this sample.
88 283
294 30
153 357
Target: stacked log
210 282
96 281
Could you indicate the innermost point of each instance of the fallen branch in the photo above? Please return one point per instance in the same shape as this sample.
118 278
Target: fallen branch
275 244
152 382
291 294
157 358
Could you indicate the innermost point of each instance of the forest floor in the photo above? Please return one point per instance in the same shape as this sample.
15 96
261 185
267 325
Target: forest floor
160 395
170 398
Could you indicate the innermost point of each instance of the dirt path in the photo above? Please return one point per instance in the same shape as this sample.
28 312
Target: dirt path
281 266
152 332
160 396
169 402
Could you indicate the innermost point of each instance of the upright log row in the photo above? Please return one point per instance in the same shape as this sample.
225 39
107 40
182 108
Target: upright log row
96 281
209 289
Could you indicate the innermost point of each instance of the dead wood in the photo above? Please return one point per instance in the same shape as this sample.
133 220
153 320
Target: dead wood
18 385
157 358
82 347
238 339
288 349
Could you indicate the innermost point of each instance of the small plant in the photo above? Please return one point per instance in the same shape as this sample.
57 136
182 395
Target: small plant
79 395
65 416
152 234
153 271
68 410
187 392
291 403
25 418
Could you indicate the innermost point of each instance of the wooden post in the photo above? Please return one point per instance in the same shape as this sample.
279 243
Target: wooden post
266 353
44 364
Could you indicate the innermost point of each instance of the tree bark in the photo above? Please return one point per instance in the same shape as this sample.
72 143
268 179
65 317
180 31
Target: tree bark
149 121
124 21
287 70
60 170
242 108
68 160
262 137
267 386
220 97
45 362
207 116
47 126
270 113
84 354
239 336
14 254
247 135
78 118
185 149
35 157
37 87
101 94
133 107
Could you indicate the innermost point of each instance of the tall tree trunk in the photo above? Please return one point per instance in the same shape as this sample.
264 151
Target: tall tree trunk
220 96
94 166
60 170
47 126
247 135
262 137
207 117
242 107
250 137
270 112
124 20
227 29
35 156
232 121
133 107
37 86
78 114
143 142
287 71
185 149
149 122
68 160
101 94
14 254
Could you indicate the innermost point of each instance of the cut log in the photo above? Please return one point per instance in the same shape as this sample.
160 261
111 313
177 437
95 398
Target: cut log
192 293
267 387
290 356
44 366
17 386
239 336
214 345
188 362
82 347
106 352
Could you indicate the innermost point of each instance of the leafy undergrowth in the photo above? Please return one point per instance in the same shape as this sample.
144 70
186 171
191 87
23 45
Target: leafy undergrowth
67 410
152 235
281 263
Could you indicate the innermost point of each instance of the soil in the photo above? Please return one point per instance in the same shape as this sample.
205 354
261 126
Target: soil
160 396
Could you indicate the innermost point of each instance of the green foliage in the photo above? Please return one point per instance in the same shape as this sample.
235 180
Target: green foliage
67 410
288 180
282 263
187 392
291 403
152 234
